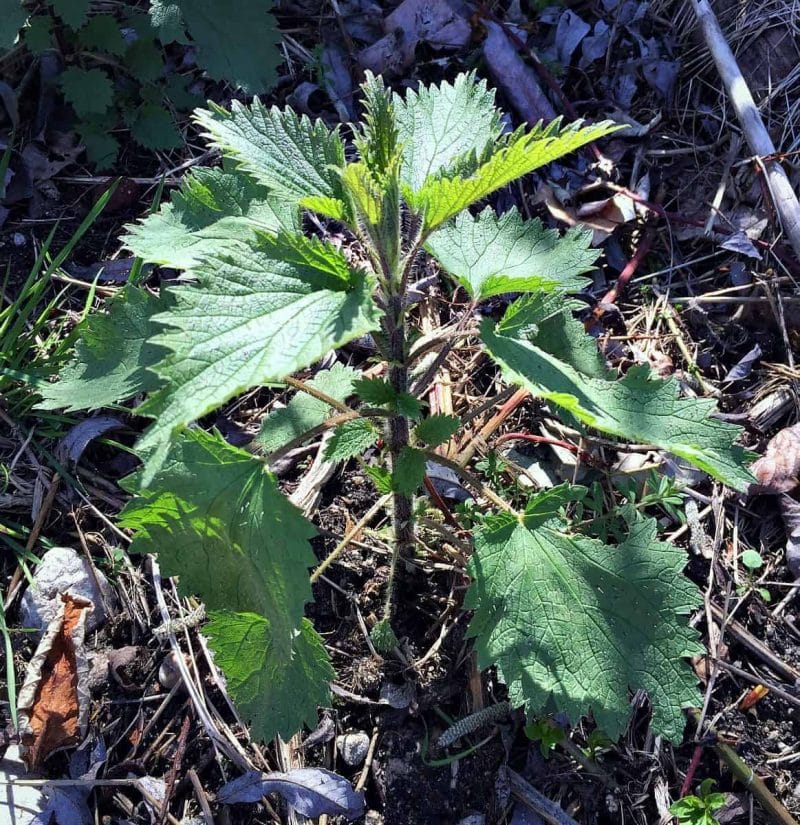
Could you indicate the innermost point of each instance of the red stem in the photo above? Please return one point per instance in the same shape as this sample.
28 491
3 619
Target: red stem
691 770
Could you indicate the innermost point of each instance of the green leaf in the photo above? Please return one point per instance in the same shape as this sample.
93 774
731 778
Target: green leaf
304 412
442 198
216 518
289 154
101 147
639 407
436 429
89 91
154 128
38 34
327 206
381 478
374 391
377 141
212 211
113 356
351 439
13 15
258 313
72 12
405 404
408 471
547 321
751 559
445 127
177 89
144 60
490 254
167 18
569 620
276 694
102 33
241 48
383 637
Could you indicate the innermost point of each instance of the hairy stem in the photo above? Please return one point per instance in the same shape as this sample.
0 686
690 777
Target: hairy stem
398 435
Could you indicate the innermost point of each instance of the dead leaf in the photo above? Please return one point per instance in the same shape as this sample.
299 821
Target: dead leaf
510 72
53 702
439 23
777 470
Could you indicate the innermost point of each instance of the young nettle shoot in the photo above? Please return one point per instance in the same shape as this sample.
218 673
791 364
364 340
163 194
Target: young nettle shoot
571 623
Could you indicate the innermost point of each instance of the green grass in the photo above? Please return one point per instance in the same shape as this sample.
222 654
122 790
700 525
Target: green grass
30 342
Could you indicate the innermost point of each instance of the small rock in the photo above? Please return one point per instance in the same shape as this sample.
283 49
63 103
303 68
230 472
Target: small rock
19 804
353 747
64 571
18 239
473 819
373 818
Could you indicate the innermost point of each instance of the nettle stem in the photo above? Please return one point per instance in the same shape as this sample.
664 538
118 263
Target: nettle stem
398 436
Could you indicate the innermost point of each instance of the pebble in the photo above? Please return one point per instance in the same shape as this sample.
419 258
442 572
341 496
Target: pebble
353 747
473 819
65 571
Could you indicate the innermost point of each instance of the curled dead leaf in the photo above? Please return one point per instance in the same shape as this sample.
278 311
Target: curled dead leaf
54 701
778 469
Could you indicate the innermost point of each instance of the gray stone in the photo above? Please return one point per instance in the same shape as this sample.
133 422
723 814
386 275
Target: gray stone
65 571
353 747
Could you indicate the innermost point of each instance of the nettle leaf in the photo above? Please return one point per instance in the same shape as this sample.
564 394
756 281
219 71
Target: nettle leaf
38 33
72 12
212 212
377 140
491 255
570 620
547 321
304 412
222 46
436 429
144 60
88 91
442 198
350 439
446 125
101 147
277 694
102 33
374 391
167 18
639 407
289 154
113 356
408 471
259 312
154 128
216 517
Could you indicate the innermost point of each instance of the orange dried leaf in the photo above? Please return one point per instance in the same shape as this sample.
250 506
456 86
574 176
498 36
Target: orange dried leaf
53 701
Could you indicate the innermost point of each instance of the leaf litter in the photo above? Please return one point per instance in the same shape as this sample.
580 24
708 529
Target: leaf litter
622 61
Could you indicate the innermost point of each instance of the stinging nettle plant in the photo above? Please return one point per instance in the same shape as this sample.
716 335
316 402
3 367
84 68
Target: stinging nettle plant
571 623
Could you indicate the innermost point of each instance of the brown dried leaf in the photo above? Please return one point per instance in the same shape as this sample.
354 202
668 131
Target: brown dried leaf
778 469
53 702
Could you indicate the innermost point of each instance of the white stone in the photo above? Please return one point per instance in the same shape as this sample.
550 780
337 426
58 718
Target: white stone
64 571
19 804
353 747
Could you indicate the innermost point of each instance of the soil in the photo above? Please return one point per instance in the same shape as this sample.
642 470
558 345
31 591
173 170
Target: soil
404 709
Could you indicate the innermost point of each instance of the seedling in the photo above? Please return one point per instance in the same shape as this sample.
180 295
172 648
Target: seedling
570 622
699 810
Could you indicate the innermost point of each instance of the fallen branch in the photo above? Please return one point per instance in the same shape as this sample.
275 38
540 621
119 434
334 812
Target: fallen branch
758 138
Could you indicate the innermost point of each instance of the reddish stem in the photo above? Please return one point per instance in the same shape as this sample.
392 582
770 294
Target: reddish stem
627 273
440 503
535 439
691 770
